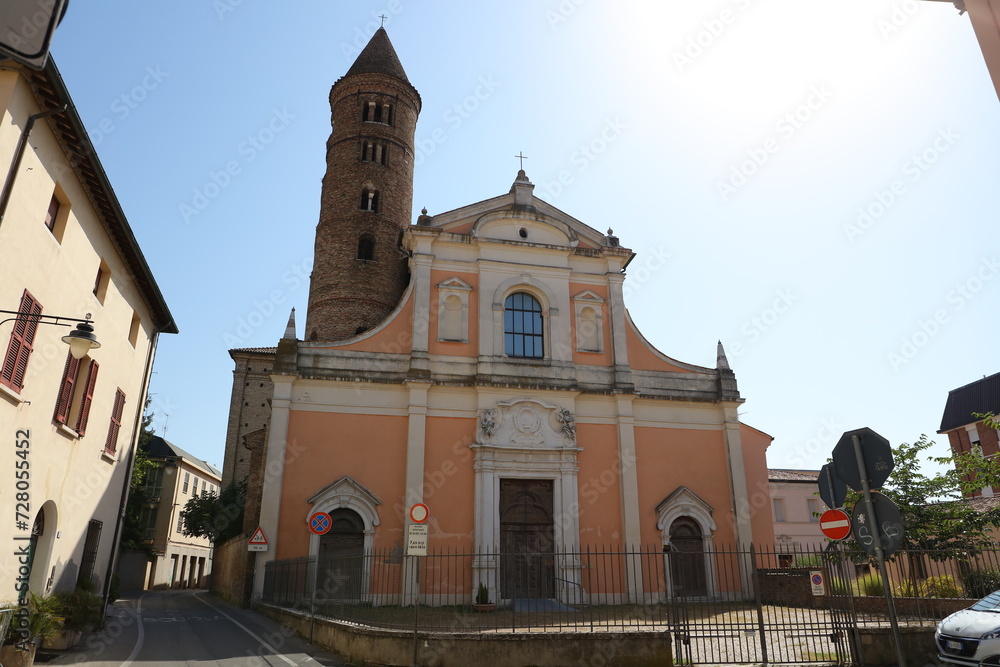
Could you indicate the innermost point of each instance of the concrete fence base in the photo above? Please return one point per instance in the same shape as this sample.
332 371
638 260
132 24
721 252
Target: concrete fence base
538 649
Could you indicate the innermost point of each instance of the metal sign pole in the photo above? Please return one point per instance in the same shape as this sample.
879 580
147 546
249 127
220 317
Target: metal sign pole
415 561
877 539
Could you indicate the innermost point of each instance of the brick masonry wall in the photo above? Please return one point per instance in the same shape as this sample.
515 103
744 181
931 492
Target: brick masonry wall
232 571
348 294
249 410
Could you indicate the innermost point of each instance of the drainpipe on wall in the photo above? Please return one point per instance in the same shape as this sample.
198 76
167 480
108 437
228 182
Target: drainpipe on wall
22 141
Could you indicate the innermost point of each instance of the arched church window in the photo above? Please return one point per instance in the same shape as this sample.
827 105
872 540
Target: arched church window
376 112
366 247
522 326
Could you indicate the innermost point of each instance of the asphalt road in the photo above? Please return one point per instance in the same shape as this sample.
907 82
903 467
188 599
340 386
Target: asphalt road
184 628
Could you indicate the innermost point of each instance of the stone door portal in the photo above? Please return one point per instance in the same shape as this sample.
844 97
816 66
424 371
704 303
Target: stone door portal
527 563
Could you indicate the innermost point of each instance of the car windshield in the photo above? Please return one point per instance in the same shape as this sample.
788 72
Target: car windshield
989 603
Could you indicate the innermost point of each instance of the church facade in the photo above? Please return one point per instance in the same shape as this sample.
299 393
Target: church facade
482 362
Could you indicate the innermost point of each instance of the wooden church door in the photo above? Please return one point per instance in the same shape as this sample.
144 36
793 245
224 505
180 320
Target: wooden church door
687 559
341 556
527 565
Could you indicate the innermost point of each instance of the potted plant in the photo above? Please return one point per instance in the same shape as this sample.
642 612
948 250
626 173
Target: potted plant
483 599
43 621
81 611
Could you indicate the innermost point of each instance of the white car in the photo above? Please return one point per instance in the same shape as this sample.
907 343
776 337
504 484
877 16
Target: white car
972 636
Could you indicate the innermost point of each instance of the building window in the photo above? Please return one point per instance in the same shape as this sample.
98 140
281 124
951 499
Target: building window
22 338
374 151
56 215
52 214
187 480
111 445
204 487
133 330
369 200
779 509
366 247
180 522
102 281
73 398
89 559
147 520
376 112
812 507
522 326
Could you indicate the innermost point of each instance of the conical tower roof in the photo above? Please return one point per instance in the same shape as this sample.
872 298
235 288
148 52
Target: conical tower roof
378 57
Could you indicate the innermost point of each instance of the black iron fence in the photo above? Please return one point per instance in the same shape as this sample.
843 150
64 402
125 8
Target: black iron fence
719 604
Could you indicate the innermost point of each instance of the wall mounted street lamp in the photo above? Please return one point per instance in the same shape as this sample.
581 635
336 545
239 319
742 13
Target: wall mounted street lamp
81 340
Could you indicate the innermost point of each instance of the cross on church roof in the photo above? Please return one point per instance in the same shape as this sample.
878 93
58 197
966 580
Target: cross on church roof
522 157
383 17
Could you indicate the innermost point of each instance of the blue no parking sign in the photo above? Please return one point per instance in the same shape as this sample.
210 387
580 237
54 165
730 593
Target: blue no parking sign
320 523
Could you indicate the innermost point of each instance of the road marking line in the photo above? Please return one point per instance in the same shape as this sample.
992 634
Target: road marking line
138 643
247 630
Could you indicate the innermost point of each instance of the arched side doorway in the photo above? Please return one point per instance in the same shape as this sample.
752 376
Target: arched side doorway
686 527
43 531
340 564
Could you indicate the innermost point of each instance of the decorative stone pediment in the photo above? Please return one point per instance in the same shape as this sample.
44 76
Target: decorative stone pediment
527 423
349 494
684 502
589 296
455 283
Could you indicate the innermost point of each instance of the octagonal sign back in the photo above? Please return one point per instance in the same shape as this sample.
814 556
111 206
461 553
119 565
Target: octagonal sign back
876 453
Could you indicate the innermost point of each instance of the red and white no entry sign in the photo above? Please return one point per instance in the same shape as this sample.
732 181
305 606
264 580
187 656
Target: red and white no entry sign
419 513
835 524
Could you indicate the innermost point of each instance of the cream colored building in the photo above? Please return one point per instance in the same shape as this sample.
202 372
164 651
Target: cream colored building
71 425
795 508
177 560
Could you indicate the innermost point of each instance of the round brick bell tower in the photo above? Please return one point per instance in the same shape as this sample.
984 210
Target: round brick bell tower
359 272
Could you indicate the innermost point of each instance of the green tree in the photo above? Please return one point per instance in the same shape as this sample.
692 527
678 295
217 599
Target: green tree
934 508
132 526
217 517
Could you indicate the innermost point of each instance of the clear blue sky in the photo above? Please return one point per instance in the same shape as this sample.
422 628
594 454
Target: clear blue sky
815 184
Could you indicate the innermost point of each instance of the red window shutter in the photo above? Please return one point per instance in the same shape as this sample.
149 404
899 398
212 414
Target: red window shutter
65 398
50 216
111 446
22 337
88 397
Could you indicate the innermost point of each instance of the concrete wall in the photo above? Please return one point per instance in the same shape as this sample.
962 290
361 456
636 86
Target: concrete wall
877 648
388 647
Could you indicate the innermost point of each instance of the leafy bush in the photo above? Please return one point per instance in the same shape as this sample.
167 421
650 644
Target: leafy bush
981 583
943 586
908 589
81 610
870 584
809 560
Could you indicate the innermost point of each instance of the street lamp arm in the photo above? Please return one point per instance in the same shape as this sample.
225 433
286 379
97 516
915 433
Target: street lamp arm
44 319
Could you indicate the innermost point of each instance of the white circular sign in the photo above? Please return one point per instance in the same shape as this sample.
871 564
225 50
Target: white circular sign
419 513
